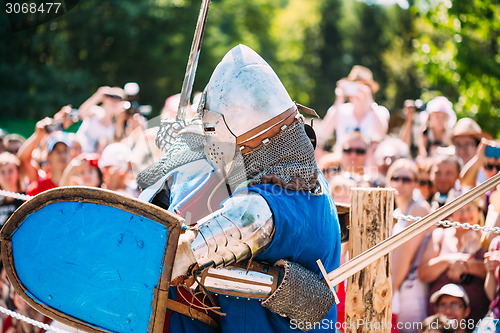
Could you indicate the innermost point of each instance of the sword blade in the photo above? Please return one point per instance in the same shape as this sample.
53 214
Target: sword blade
187 85
366 258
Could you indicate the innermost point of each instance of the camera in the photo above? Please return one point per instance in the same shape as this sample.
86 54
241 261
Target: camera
54 126
419 105
492 151
131 107
74 115
350 88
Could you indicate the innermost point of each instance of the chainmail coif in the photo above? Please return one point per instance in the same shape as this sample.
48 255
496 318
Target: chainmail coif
286 160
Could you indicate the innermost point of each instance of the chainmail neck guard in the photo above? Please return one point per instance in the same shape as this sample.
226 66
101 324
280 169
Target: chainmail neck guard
187 147
287 160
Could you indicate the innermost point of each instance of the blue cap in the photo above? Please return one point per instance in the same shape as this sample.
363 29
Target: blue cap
56 138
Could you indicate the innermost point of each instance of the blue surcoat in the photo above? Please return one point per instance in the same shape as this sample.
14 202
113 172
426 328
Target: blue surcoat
307 229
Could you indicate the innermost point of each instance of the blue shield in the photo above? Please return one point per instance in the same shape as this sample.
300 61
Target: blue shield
92 259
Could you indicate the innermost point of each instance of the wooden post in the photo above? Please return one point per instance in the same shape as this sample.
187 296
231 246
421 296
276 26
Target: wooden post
369 292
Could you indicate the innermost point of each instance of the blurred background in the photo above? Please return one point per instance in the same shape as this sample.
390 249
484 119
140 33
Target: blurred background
416 49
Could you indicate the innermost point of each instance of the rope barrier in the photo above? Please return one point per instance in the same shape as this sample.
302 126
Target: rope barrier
30 321
14 195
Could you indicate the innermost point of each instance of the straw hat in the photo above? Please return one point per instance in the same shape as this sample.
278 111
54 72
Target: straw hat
364 75
467 127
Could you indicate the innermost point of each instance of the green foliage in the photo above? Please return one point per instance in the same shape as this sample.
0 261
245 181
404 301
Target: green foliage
457 55
434 47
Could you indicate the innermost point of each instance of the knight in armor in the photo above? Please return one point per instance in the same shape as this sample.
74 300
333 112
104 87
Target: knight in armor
277 214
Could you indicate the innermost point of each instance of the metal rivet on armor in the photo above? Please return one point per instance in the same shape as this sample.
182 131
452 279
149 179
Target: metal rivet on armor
128 320
50 297
242 147
283 127
237 298
266 140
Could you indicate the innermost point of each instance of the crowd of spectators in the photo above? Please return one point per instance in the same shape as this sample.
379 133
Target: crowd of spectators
430 160
442 275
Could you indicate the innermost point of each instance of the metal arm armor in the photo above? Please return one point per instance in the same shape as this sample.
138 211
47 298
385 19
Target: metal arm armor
239 230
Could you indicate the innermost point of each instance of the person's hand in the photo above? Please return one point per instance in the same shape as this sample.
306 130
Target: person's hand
364 98
481 148
40 128
63 116
458 266
492 260
340 96
409 109
101 91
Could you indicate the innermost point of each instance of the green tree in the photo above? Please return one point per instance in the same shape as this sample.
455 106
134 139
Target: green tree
457 55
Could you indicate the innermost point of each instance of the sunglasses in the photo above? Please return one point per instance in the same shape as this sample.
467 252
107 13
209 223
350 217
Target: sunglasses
425 182
491 166
358 151
403 179
453 306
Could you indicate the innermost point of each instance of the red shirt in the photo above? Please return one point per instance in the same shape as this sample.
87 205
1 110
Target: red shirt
40 186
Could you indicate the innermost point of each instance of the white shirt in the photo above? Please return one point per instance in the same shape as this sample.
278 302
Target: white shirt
91 130
347 123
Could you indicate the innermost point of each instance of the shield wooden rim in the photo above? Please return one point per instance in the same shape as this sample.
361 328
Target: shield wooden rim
103 197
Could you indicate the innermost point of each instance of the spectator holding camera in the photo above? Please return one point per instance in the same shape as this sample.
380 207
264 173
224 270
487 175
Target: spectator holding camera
99 115
53 152
487 158
58 157
355 109
438 127
410 125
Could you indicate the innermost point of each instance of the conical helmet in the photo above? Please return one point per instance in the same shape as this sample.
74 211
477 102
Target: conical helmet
244 104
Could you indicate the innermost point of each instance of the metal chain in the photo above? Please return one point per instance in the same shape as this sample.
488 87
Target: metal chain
14 195
30 321
447 224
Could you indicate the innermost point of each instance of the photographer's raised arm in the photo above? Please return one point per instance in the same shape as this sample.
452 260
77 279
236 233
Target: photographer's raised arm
91 102
409 112
26 150
469 172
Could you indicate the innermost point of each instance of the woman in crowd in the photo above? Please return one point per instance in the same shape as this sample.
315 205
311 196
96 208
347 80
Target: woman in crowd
10 180
83 170
455 255
426 186
440 122
410 296
491 322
